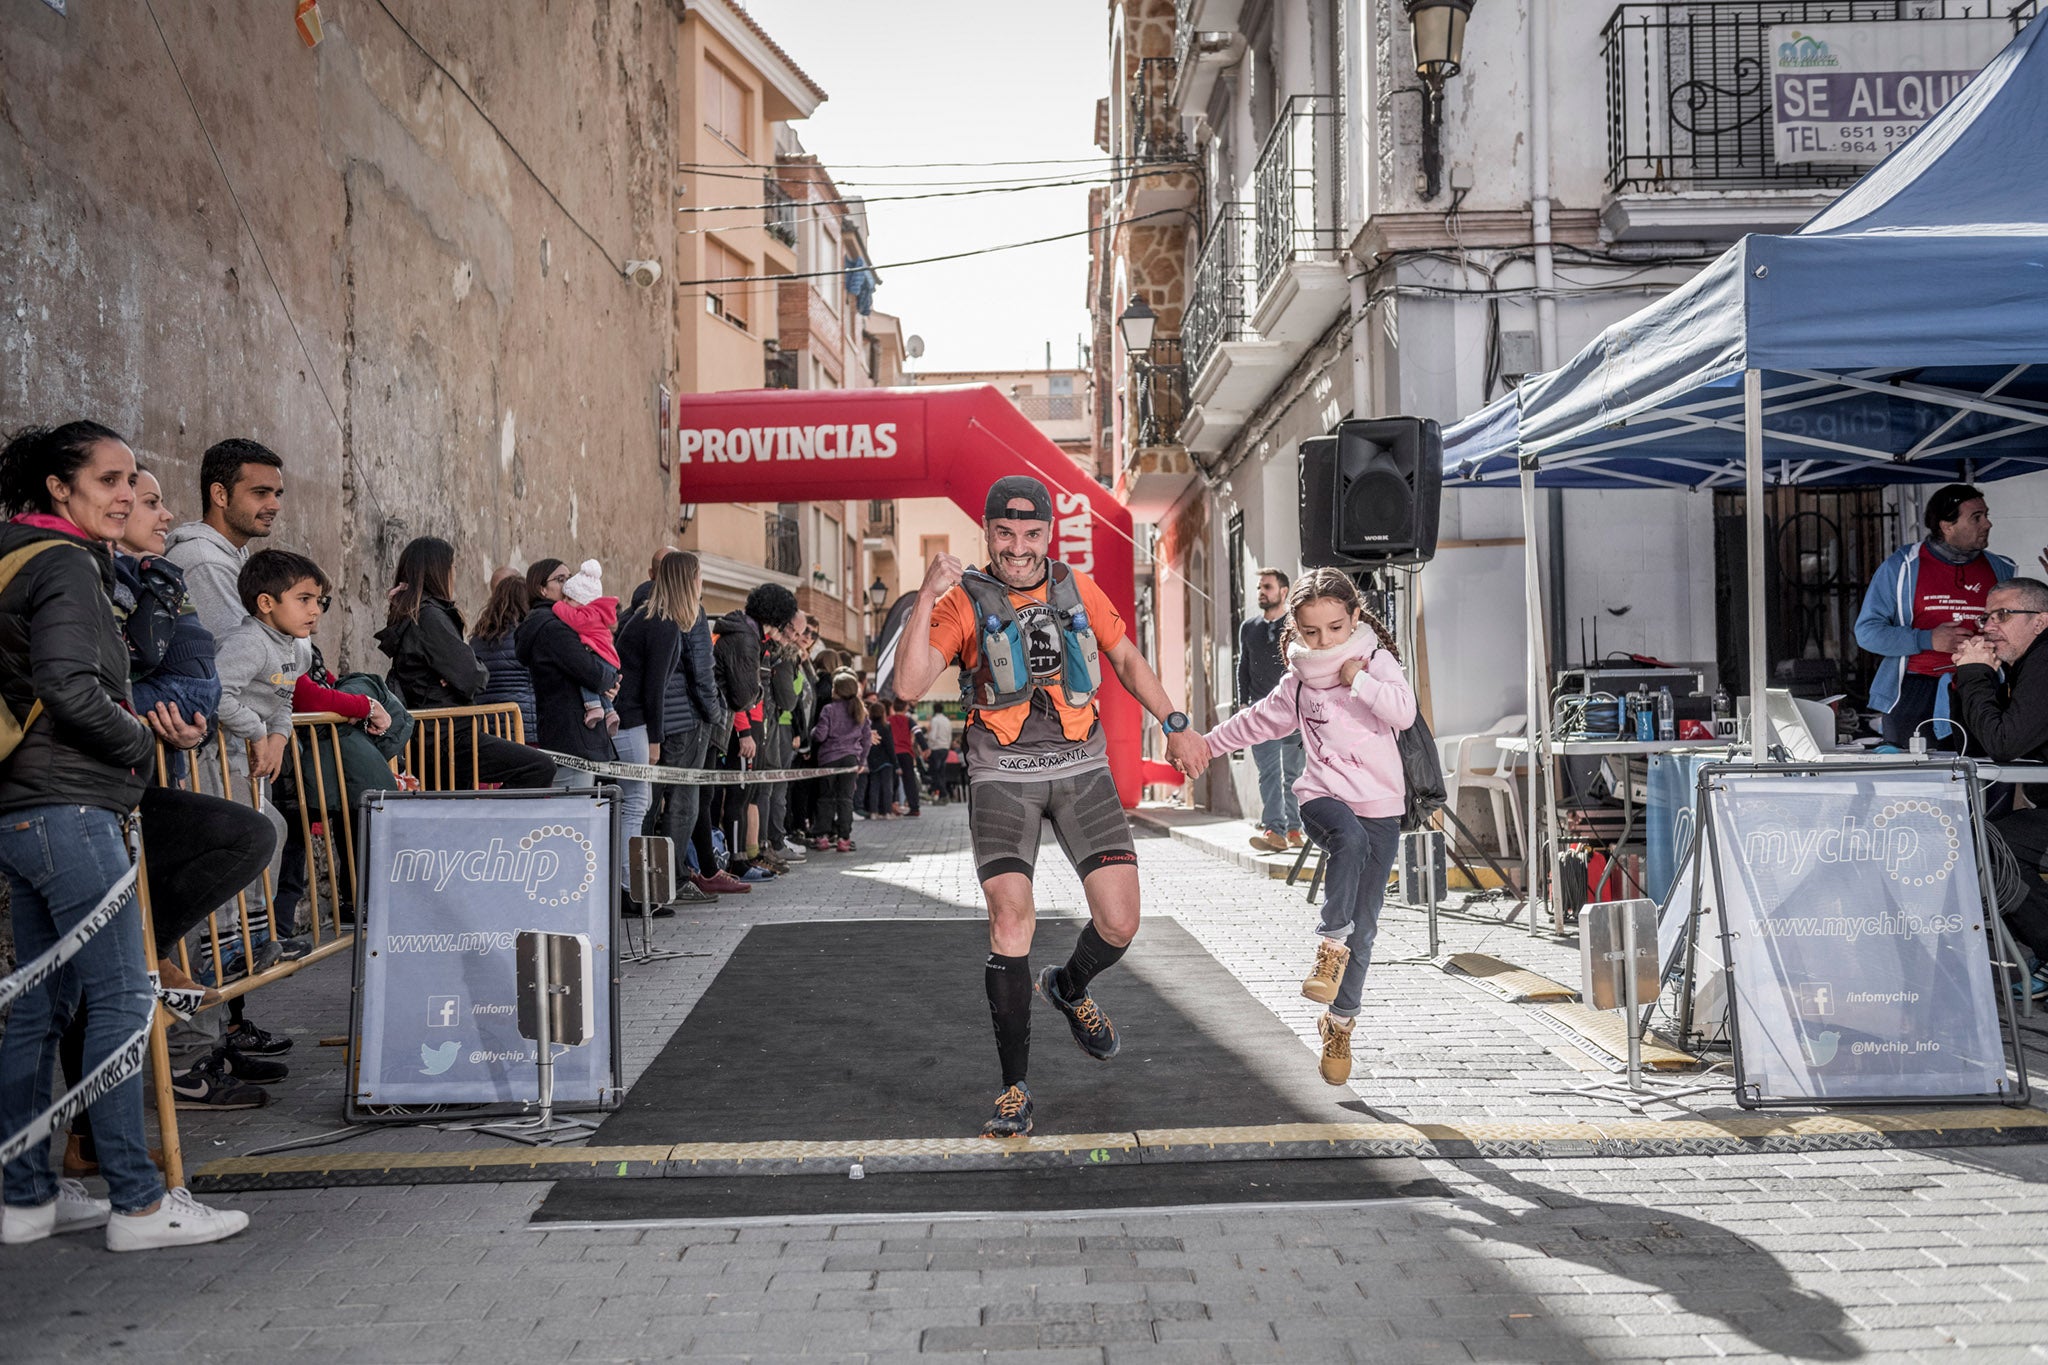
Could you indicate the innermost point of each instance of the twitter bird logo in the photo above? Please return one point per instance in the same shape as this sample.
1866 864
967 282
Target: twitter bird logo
1822 1048
435 1060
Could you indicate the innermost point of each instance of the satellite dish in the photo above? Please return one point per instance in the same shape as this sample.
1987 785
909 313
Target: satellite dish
914 347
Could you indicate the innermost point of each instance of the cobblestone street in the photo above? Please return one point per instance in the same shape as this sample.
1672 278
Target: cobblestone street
1834 1256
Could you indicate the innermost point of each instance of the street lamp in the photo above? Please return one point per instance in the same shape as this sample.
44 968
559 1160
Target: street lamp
1439 33
878 595
1136 324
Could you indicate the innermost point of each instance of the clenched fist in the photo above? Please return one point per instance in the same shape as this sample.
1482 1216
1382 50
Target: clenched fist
941 574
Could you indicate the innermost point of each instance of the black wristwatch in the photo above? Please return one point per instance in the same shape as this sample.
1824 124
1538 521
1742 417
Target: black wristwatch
1175 722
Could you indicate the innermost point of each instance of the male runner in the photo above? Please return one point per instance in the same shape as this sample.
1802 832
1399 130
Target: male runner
1028 634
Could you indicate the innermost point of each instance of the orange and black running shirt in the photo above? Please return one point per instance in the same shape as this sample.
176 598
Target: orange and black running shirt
1041 736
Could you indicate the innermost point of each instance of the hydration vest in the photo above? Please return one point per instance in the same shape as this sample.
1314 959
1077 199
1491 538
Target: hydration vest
1002 675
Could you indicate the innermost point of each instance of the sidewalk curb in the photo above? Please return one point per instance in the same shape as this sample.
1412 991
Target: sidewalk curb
1246 859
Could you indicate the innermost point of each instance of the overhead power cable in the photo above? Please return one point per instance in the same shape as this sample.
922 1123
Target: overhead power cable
932 260
910 165
865 200
955 183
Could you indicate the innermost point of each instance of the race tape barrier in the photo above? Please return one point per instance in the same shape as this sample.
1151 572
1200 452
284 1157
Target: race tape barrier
124 1062
695 777
64 949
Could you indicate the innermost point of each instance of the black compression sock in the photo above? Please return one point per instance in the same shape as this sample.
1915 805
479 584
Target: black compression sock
1008 980
1093 954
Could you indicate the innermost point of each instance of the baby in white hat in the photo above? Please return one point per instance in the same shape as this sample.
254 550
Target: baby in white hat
594 617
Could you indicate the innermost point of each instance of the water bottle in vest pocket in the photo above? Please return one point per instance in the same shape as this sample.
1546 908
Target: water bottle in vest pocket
1002 655
1081 660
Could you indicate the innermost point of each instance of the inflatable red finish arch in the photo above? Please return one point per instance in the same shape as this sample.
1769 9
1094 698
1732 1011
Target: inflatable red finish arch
798 445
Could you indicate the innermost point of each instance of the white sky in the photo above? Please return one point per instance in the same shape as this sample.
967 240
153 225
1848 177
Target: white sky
963 80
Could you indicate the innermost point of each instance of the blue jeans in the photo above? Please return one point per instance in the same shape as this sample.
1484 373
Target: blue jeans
1361 853
59 861
1279 763
634 797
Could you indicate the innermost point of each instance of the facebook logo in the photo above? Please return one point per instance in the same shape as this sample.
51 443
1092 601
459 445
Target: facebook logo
1816 998
444 1011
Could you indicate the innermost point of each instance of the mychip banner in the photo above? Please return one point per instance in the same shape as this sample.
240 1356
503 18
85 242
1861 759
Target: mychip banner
1852 92
449 880
1856 936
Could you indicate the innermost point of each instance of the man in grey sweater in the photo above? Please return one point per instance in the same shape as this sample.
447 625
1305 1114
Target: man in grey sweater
241 487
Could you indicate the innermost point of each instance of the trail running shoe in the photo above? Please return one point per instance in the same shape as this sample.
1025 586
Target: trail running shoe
1013 1114
1336 1063
1092 1029
246 1037
1321 983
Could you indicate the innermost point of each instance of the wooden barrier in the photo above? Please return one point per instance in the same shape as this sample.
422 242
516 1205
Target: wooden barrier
431 762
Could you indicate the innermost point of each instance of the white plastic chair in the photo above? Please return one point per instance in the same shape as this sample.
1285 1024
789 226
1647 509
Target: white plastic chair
1479 762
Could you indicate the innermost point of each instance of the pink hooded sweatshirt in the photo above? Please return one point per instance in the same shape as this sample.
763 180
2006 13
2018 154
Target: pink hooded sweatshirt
1348 732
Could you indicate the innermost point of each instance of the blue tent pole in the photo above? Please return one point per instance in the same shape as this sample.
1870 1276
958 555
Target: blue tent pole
1753 504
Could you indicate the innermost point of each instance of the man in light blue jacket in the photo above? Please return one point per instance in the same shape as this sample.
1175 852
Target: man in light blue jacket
1925 600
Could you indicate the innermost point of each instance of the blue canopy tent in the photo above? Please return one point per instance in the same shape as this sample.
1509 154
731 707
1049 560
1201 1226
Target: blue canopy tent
1904 327
1901 336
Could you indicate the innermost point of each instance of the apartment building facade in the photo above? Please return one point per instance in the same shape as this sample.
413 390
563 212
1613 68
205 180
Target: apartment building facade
783 299
1365 238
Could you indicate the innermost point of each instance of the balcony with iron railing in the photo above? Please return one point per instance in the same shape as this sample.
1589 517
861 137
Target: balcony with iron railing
785 551
1219 297
1689 124
1296 189
1230 366
779 213
1157 171
1156 467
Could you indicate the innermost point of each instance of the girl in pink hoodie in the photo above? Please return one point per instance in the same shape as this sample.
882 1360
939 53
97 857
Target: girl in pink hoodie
1345 692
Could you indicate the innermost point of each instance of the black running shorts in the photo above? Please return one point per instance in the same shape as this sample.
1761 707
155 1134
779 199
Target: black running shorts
1004 819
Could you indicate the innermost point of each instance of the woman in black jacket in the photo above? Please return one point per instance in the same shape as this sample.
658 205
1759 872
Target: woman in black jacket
65 789
563 668
433 666
506 607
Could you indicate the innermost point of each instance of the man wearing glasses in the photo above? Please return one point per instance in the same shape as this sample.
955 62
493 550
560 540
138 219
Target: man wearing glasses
1924 602
2007 717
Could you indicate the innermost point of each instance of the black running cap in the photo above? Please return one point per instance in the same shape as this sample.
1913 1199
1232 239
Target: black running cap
1013 488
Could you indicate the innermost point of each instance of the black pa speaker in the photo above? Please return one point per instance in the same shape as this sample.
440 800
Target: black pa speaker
1370 493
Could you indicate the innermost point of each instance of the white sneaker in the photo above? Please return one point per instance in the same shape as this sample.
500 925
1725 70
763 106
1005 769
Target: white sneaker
73 1210
179 1221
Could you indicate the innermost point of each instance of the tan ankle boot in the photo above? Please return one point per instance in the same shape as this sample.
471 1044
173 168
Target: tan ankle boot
1336 1062
1321 983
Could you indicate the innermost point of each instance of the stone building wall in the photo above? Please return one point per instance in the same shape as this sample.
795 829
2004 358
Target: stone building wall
424 311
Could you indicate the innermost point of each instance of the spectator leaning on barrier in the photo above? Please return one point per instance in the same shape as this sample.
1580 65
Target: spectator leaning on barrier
65 787
433 666
241 489
781 678
1923 602
508 680
2007 717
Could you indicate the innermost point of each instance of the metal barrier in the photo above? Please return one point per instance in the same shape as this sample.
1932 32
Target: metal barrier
432 758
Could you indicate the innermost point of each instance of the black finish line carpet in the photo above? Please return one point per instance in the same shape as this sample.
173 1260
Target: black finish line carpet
880 1029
